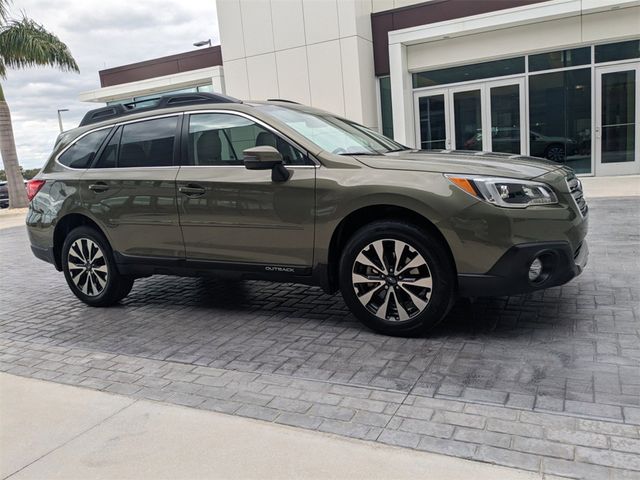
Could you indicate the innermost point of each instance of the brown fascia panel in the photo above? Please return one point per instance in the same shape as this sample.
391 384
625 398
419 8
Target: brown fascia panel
157 67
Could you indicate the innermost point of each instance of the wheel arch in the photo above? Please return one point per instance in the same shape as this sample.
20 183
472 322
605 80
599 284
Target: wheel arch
365 215
65 225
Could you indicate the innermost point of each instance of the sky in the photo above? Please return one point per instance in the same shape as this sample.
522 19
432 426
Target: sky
100 34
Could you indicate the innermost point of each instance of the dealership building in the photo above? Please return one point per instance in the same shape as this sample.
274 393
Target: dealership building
558 79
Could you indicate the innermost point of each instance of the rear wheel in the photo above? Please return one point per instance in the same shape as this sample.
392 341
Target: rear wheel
90 270
397 278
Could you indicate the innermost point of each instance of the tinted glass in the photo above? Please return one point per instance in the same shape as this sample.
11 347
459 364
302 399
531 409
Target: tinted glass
560 59
560 117
385 107
81 153
468 120
220 139
505 119
618 116
147 144
109 156
433 133
333 134
617 51
465 73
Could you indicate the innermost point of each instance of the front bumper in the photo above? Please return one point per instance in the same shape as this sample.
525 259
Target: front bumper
510 274
45 254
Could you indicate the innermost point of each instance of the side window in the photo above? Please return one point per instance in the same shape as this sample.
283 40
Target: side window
148 144
220 139
141 144
109 156
81 153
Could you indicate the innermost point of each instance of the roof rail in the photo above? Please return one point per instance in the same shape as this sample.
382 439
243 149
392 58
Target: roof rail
282 100
164 101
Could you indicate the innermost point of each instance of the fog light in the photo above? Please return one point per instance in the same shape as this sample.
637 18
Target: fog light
535 270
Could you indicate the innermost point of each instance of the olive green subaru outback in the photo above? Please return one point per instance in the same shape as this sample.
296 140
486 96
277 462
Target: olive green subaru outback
201 184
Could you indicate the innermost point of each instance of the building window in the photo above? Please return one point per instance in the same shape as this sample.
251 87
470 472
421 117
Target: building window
386 113
560 117
560 59
465 73
617 51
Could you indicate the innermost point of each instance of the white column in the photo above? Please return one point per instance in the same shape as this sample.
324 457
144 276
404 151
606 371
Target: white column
401 95
217 80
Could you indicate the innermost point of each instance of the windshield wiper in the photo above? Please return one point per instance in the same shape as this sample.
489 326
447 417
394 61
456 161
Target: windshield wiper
362 153
402 149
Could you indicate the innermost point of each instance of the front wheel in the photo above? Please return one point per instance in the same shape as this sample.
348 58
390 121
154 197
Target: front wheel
396 278
90 270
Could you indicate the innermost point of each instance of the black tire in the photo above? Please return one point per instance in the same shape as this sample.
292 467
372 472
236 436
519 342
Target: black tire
441 274
100 290
555 152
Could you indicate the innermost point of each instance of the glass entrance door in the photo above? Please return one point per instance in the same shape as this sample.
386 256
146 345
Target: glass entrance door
617 126
468 131
488 116
432 125
505 117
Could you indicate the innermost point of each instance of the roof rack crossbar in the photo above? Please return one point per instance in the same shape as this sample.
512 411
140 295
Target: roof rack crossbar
163 101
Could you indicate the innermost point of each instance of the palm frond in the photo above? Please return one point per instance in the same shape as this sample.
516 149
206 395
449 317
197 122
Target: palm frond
25 43
4 9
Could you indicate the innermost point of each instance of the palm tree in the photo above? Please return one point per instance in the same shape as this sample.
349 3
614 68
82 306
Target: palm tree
23 43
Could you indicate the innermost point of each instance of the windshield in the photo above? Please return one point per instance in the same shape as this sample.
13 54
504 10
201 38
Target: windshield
334 134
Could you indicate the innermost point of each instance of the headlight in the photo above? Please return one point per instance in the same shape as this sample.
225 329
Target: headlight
505 192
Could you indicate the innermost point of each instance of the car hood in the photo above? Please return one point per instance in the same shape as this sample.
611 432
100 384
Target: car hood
462 162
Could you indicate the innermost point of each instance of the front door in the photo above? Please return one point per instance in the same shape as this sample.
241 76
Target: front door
486 116
617 125
231 214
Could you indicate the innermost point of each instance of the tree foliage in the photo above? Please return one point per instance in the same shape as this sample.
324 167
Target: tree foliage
25 43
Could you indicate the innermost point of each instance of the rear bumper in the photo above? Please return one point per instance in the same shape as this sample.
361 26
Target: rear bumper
4 202
510 274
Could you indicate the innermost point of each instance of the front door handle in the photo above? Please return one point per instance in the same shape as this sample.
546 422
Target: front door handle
192 190
99 187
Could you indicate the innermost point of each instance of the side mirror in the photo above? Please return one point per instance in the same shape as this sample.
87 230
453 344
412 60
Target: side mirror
266 158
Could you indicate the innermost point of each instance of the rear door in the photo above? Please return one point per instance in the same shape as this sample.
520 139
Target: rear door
130 188
231 214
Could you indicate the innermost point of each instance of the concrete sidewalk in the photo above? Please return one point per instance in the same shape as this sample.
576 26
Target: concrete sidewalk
12 217
61 432
619 186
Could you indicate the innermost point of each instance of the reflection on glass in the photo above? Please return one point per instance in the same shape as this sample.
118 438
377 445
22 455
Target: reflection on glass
432 123
505 119
468 120
385 106
560 117
618 116
617 51
560 59
465 73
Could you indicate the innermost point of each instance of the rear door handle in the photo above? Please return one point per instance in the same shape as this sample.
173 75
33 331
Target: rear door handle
192 190
99 187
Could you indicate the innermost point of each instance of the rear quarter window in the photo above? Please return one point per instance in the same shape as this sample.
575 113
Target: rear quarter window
81 153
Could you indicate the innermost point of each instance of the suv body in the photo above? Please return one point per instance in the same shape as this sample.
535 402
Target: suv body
257 190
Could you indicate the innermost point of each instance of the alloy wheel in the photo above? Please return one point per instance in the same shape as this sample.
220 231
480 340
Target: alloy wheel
392 280
87 267
555 154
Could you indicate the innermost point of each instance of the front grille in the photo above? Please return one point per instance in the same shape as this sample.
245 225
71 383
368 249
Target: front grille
575 187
